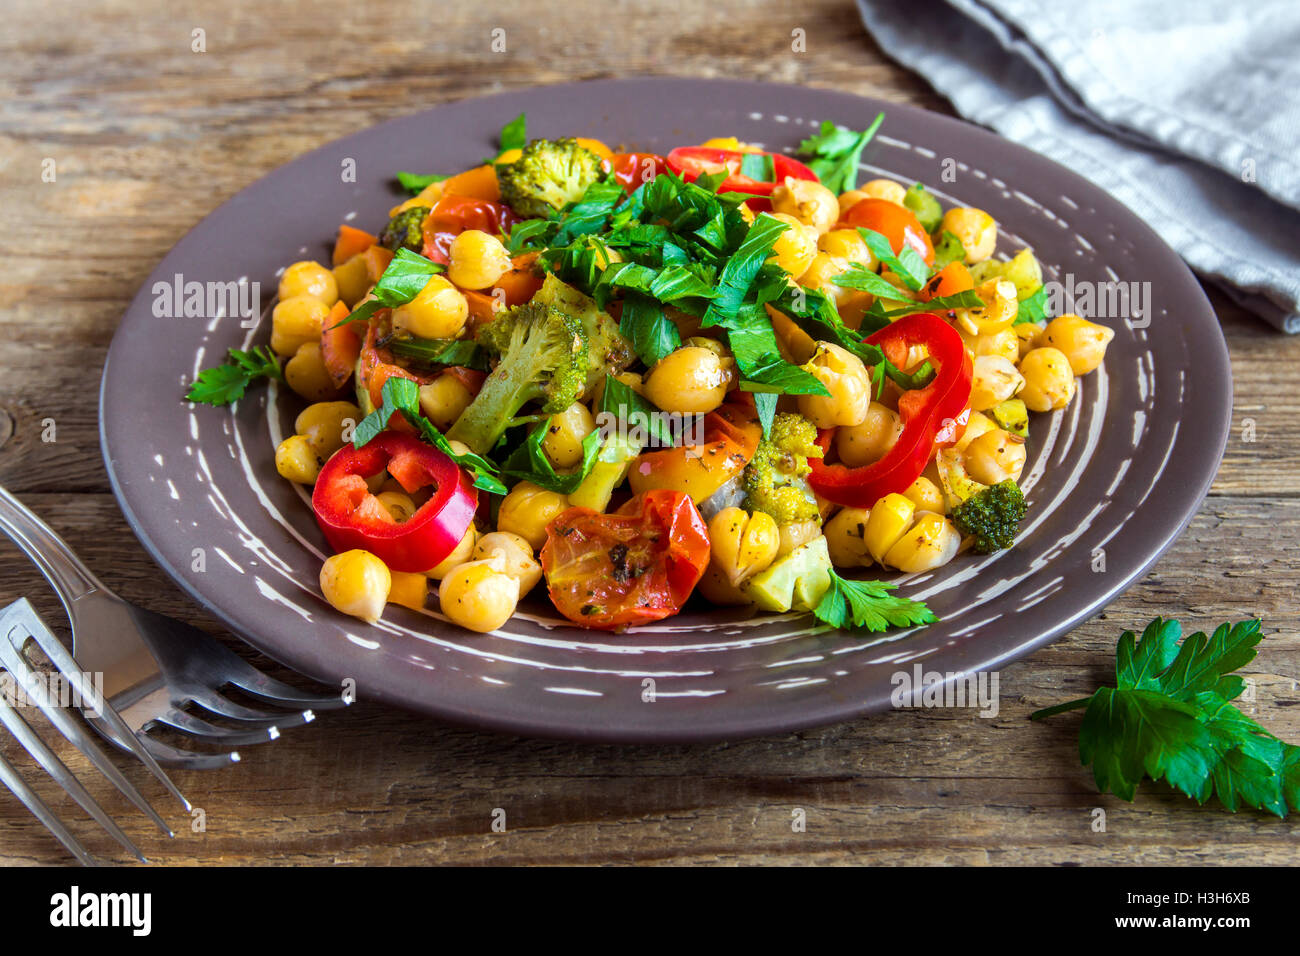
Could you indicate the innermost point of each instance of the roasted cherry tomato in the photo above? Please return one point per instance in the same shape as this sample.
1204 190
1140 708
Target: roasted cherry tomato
351 517
631 170
611 571
452 215
378 366
692 162
896 223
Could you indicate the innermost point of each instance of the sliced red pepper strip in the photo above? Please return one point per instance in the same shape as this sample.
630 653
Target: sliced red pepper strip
933 417
351 517
691 162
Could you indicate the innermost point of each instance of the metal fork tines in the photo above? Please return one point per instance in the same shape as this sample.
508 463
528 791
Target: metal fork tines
19 623
156 670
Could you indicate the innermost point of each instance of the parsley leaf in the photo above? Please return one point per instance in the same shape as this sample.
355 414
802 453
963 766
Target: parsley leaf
1170 717
1032 308
836 153
415 183
907 264
401 282
868 605
223 384
403 395
514 135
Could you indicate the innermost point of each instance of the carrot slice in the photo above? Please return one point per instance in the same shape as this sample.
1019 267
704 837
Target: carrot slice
351 242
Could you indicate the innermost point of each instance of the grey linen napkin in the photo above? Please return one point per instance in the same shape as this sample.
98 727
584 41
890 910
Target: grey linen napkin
1188 113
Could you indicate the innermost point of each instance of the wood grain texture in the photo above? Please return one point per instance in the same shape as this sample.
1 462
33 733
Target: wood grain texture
148 136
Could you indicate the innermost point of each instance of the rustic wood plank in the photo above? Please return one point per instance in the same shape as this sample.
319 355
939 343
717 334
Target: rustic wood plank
148 137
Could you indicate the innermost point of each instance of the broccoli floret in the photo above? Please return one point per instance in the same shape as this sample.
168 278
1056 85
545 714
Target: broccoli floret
550 174
543 358
776 477
992 516
405 230
608 351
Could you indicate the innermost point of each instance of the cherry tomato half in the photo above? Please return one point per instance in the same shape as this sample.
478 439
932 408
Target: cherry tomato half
896 223
691 162
631 170
611 571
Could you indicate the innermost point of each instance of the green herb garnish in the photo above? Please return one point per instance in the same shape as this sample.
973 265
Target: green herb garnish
402 281
223 384
836 153
1169 717
868 605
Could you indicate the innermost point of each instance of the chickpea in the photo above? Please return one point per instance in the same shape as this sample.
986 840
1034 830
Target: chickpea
357 583
846 378
976 425
309 278
438 311
848 245
689 381
796 534
889 520
885 189
716 589
398 504
1049 380
930 543
850 199
409 589
926 495
443 400
564 435
528 509
1082 342
477 260
296 460
868 442
995 380
997 313
809 202
742 544
479 595
825 267
846 538
463 551
295 321
995 456
976 229
327 426
796 247
516 556
1029 336
715 346
1005 344
307 375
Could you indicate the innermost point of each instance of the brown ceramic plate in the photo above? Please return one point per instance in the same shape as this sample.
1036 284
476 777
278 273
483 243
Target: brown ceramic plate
1111 481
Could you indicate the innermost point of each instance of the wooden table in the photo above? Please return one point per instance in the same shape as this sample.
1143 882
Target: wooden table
148 137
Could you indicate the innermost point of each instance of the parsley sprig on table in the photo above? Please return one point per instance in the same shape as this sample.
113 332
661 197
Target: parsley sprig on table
223 384
868 605
1170 717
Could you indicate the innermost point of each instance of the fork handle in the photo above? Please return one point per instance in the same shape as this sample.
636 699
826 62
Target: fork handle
70 578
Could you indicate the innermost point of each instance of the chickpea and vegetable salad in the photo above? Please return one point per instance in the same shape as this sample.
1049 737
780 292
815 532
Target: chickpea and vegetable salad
486 379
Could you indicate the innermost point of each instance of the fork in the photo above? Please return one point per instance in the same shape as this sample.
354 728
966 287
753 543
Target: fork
154 667
18 623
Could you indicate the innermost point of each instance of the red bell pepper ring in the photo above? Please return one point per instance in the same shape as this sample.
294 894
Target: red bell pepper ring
351 517
452 215
933 417
692 162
